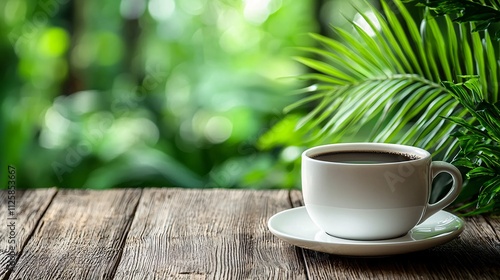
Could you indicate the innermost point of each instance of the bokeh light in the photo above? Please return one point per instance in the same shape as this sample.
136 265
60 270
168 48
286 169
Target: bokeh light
150 92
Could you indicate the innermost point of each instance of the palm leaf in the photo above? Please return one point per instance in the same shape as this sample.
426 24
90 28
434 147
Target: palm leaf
479 138
393 78
483 13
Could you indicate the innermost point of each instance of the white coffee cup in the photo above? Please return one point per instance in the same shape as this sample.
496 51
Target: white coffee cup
372 201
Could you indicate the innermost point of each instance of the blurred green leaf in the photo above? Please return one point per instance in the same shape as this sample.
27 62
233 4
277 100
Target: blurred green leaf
122 95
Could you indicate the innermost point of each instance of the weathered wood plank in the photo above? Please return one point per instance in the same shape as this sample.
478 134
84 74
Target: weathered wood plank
207 234
474 255
19 214
80 236
494 222
296 198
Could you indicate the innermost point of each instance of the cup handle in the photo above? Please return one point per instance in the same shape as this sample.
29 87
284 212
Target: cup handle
436 168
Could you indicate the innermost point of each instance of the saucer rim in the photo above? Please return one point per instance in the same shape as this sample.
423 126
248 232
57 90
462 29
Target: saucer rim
347 247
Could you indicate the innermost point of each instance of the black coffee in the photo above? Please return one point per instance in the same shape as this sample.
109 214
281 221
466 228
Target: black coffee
364 157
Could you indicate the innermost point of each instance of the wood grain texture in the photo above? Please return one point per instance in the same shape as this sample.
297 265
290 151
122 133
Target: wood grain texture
208 234
474 255
494 222
205 234
17 226
80 236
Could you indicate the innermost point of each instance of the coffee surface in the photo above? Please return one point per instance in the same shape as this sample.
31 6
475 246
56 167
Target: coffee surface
364 157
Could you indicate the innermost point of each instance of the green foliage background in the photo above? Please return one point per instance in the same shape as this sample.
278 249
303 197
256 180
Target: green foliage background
126 93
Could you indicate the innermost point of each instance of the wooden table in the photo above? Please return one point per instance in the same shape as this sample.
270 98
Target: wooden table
167 233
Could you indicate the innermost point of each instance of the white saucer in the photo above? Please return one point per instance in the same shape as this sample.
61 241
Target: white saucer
295 227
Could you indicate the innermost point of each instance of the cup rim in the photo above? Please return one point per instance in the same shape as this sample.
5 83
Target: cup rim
420 153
